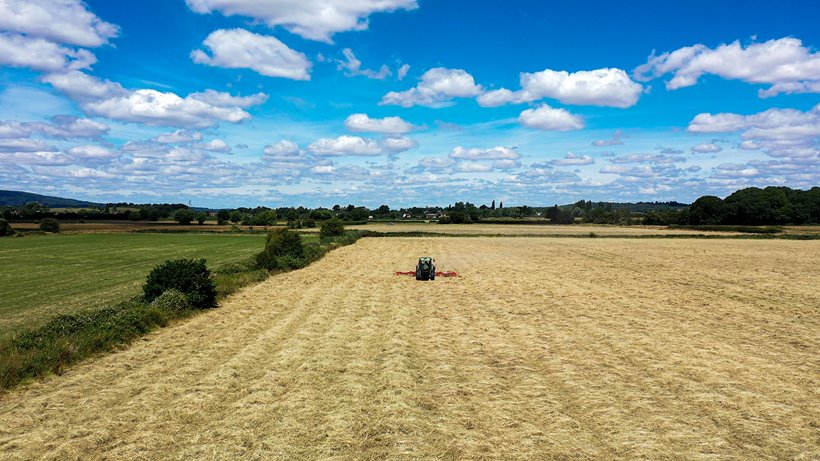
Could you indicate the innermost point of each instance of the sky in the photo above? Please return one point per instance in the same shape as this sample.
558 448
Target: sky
227 103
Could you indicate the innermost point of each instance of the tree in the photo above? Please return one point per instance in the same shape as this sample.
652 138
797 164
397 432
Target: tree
5 228
331 228
222 217
50 225
184 216
236 216
201 217
283 250
189 276
706 210
492 207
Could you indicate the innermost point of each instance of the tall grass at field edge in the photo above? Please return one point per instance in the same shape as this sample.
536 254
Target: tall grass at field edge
68 339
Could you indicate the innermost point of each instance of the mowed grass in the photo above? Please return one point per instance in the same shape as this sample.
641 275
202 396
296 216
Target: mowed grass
542 349
49 275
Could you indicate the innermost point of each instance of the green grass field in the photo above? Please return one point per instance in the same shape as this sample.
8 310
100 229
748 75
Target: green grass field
41 277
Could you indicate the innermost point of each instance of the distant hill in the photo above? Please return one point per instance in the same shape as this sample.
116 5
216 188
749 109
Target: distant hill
18 198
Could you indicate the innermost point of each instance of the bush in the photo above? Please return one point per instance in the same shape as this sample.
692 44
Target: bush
283 250
184 216
331 228
201 217
50 225
190 276
172 299
308 223
445 220
5 229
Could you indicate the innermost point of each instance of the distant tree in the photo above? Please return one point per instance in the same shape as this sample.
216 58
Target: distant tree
222 217
201 217
236 216
321 214
184 216
331 228
500 204
50 225
492 207
706 210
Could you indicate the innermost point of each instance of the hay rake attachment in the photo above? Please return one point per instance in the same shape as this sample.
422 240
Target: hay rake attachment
438 273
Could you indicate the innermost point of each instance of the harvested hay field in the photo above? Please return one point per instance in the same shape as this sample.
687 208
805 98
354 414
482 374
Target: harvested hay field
532 229
543 349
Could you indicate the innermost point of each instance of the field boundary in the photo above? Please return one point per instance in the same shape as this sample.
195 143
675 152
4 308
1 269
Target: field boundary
378 234
72 338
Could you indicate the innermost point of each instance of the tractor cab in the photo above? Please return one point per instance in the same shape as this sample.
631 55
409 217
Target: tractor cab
426 269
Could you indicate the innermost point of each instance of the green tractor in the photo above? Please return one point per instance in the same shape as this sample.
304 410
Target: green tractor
426 269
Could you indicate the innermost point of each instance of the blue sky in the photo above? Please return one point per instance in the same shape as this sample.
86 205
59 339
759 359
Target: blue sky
406 102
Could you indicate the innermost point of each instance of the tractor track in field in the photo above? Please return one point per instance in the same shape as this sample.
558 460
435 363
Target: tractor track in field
541 349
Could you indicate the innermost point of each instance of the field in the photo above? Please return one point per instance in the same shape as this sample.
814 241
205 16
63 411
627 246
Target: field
45 276
542 349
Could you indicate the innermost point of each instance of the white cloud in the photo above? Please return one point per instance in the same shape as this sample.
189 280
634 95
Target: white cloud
312 19
35 158
494 153
282 151
62 126
157 108
706 148
614 141
265 54
80 86
220 99
784 63
391 125
24 145
473 167
779 132
93 152
43 55
65 21
355 145
402 72
353 67
573 159
178 136
600 87
438 86
550 119
215 145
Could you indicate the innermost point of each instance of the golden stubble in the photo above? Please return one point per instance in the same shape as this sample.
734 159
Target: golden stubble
542 349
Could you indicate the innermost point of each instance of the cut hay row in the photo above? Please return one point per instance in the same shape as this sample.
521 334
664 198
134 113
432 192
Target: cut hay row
540 349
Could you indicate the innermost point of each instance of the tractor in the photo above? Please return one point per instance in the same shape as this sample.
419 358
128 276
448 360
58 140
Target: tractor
426 269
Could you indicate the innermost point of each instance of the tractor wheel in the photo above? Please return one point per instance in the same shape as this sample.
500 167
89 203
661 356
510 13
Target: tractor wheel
432 275
418 275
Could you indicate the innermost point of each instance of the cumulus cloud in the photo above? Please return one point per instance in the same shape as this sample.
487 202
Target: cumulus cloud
241 49
311 19
215 145
780 132
93 152
64 21
494 153
153 107
614 141
43 55
438 86
353 67
61 126
358 146
25 145
648 158
783 63
599 87
390 125
220 99
573 159
80 86
706 148
178 136
282 151
550 119
35 158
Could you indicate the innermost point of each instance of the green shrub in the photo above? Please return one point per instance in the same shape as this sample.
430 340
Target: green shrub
172 299
5 229
50 225
201 217
308 223
331 228
184 216
283 250
190 276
